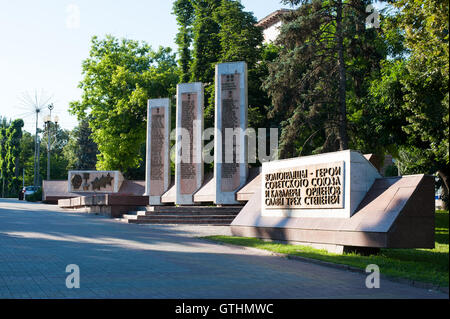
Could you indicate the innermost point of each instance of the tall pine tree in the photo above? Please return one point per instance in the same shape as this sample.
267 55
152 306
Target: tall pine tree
326 52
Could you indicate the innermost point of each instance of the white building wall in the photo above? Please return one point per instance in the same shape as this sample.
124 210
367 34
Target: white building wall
272 32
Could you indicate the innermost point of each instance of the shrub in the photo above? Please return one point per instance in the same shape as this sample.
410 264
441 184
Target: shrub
35 197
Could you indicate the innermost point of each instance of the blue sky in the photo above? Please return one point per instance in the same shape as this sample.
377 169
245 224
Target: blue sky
44 43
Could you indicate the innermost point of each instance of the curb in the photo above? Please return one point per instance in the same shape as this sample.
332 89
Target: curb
413 283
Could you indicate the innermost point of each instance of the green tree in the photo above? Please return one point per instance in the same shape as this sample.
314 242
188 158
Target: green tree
4 122
81 151
206 45
241 40
184 11
26 158
59 138
3 151
411 98
12 158
221 32
119 77
259 101
10 135
319 80
426 86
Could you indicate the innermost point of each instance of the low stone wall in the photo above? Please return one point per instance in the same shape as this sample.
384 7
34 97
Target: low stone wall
53 191
111 205
396 213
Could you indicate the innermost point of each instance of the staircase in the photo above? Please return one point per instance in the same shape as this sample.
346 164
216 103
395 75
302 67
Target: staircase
195 215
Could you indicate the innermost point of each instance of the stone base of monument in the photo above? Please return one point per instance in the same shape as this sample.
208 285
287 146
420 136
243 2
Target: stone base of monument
197 215
395 213
339 202
52 191
207 193
111 205
168 198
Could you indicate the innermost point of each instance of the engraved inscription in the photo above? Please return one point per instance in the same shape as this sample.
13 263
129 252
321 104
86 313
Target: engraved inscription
86 177
93 181
102 182
157 151
188 171
76 181
231 96
312 186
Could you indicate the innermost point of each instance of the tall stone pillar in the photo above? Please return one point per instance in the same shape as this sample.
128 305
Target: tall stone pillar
157 171
189 159
230 145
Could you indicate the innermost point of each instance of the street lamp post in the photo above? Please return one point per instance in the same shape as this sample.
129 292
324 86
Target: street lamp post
36 157
48 121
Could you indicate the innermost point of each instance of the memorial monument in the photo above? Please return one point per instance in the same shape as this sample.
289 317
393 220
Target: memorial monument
230 145
338 201
96 192
157 179
94 181
327 185
189 130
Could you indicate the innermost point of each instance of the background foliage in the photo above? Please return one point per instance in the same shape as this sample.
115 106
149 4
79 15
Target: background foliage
329 82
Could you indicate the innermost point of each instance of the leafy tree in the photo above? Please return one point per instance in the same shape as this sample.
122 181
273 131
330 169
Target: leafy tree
384 116
377 127
426 86
26 158
184 11
221 32
206 45
411 98
378 124
119 77
3 151
81 151
4 122
10 135
58 162
259 101
241 40
12 157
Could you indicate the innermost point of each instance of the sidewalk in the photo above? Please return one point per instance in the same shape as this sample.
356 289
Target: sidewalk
118 260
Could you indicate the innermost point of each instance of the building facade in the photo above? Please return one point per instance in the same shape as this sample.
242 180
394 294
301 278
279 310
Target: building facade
271 25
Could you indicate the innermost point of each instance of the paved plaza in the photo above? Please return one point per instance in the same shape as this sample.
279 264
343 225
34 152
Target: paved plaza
118 260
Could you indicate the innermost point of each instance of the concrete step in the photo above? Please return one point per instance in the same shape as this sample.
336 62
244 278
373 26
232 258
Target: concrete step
185 213
178 217
130 216
167 216
194 209
178 221
197 215
216 219
193 221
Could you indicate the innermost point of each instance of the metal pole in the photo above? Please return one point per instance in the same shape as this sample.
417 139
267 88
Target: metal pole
38 177
50 107
48 151
48 148
35 151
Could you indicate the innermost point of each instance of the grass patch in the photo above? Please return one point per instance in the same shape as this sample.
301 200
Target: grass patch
424 265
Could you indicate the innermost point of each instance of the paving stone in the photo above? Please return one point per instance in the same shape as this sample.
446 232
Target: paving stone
120 260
